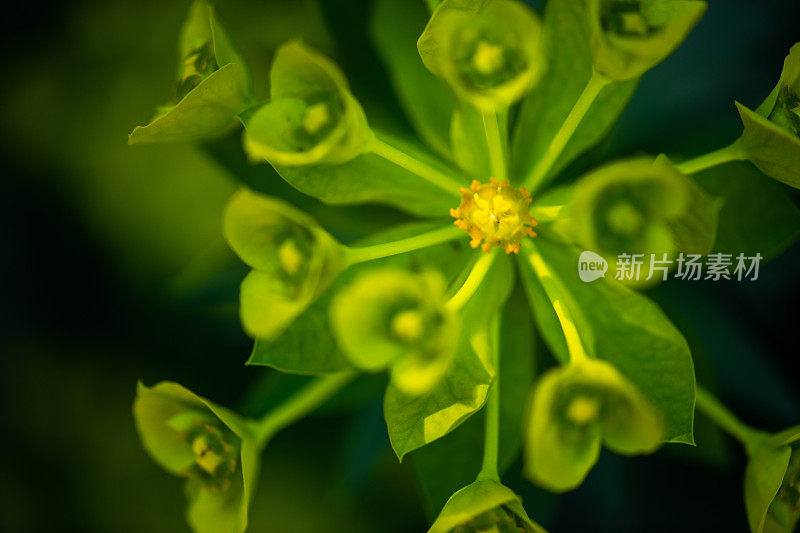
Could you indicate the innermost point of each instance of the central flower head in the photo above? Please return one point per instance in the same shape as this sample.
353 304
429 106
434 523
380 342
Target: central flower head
496 214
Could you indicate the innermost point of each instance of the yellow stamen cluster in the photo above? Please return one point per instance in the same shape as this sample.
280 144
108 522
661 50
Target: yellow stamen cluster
583 409
496 214
488 58
316 117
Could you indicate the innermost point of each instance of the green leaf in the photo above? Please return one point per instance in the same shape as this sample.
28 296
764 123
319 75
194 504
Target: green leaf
415 422
445 465
371 179
213 96
478 499
566 41
630 38
775 151
428 103
208 110
308 346
756 216
762 479
487 51
622 327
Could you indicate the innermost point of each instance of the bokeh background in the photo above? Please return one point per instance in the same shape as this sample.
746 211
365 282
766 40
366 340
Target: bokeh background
113 269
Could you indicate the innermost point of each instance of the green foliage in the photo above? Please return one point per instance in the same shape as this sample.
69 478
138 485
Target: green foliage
484 506
449 325
569 67
213 85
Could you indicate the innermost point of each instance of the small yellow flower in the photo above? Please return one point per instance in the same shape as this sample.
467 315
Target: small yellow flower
496 214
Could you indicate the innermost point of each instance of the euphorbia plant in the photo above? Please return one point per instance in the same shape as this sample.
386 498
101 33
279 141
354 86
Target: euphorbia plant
507 101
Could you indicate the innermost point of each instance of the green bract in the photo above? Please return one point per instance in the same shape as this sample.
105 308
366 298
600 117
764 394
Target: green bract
312 118
771 137
573 410
629 37
772 483
484 506
488 51
638 206
393 318
213 447
213 84
293 260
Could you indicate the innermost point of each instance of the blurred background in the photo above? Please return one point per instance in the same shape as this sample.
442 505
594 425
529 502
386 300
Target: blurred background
113 270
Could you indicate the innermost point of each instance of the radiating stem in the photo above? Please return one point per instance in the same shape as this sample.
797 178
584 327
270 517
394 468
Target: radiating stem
376 251
415 166
494 139
537 176
491 438
727 154
473 281
555 293
432 5
722 417
300 404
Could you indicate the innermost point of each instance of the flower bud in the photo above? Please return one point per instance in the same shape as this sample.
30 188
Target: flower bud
391 318
212 85
638 206
629 37
484 506
210 446
488 51
293 259
577 407
771 137
312 117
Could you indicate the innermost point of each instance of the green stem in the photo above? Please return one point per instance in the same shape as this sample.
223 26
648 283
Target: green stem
473 281
722 417
729 153
300 404
360 254
546 213
491 438
556 295
491 126
415 166
596 84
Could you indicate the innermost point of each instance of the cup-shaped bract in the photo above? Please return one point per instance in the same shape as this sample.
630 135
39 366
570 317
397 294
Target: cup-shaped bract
629 37
632 207
312 117
484 505
771 137
213 84
772 483
392 318
576 408
488 51
293 260
213 447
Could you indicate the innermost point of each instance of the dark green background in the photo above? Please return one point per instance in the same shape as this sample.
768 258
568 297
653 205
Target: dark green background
113 269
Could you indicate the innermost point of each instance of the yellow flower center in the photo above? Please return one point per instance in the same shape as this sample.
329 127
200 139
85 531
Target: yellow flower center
205 456
496 214
408 326
317 117
290 257
488 58
583 409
